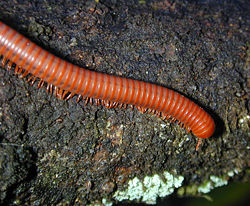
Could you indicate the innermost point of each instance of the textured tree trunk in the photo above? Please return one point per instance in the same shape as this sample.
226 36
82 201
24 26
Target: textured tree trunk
63 152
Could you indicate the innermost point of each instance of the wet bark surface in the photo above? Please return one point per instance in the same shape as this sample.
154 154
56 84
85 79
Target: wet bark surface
56 152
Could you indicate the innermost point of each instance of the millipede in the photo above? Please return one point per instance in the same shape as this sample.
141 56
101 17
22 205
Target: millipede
66 80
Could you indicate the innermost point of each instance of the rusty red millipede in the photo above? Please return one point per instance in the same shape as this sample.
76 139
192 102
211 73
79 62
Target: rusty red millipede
67 80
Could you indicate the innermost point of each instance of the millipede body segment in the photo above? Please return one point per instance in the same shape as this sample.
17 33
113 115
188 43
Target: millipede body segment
67 80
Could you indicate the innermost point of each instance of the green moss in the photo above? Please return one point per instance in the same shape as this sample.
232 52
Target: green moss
191 189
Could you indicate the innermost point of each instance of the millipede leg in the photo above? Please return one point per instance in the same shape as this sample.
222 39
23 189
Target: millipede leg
3 61
32 78
40 84
97 102
198 144
9 65
86 101
79 98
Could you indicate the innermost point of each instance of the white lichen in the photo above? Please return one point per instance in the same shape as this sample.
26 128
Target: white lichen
233 172
152 187
148 189
214 182
106 202
218 182
230 173
205 187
